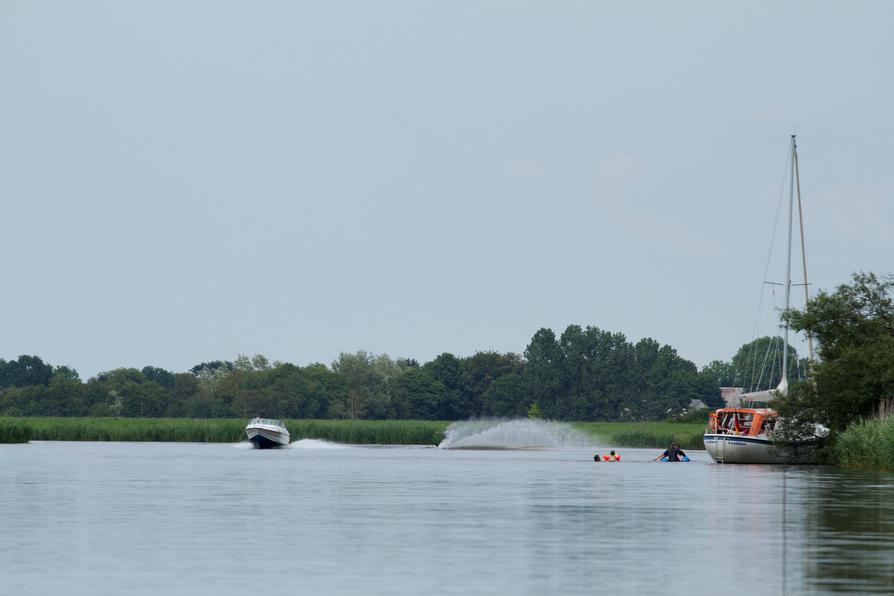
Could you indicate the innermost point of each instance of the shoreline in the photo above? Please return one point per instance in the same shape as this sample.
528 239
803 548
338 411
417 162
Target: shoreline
866 445
350 432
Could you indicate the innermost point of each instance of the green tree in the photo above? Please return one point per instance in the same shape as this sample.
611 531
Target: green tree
534 412
25 371
854 328
186 388
447 369
67 373
480 371
544 373
418 395
722 374
507 396
258 362
366 382
758 364
159 375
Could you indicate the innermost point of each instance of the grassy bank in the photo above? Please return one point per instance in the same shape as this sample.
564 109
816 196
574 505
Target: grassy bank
357 432
379 432
14 430
866 444
646 434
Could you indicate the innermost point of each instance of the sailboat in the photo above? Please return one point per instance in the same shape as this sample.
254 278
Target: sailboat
745 434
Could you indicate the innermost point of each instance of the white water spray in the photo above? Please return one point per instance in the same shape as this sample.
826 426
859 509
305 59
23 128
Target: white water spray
316 444
514 434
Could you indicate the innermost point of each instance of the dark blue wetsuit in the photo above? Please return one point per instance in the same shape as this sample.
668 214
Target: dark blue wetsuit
673 454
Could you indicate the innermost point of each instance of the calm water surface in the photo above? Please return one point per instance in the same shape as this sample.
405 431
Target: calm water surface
177 518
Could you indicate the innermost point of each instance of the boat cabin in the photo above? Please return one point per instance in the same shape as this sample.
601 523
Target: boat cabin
742 421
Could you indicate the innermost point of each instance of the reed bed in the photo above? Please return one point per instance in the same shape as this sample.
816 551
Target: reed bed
369 432
355 432
207 430
866 444
13 430
215 430
654 435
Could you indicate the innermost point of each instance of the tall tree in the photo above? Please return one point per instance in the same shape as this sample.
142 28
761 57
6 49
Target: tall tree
480 371
25 371
758 364
447 369
418 395
543 372
854 328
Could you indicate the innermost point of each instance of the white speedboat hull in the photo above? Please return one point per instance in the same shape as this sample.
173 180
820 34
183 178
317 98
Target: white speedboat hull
265 436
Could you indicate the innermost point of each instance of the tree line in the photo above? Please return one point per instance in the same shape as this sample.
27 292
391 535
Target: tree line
583 374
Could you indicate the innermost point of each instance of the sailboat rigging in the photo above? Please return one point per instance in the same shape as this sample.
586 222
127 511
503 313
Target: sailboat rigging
746 434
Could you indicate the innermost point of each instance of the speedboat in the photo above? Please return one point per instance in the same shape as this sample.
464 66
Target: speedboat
267 433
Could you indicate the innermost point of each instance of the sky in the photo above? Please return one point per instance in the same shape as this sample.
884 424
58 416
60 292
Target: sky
188 181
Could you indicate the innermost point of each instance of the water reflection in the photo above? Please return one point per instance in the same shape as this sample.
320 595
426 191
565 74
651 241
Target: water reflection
183 518
848 531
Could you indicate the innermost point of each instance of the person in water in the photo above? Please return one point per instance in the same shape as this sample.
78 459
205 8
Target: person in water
672 453
612 456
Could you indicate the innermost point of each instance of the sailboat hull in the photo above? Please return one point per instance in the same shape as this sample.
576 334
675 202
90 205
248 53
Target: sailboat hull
734 449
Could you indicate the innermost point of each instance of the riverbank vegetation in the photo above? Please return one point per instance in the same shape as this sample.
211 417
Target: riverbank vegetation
866 444
350 432
14 431
217 430
584 374
652 435
852 387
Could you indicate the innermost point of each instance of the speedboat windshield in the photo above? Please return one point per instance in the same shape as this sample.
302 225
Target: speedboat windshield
267 421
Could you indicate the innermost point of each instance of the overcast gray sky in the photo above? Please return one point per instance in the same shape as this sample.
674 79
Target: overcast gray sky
182 181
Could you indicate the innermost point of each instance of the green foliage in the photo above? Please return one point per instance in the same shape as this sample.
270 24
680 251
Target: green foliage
590 374
135 429
586 374
367 382
370 432
505 397
447 371
25 371
854 328
758 364
534 412
480 372
866 444
159 375
13 430
657 435
367 432
721 373
699 415
419 395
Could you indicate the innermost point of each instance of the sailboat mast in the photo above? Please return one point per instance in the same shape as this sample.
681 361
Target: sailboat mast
788 263
803 255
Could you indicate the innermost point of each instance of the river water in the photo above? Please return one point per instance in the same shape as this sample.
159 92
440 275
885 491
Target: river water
183 518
